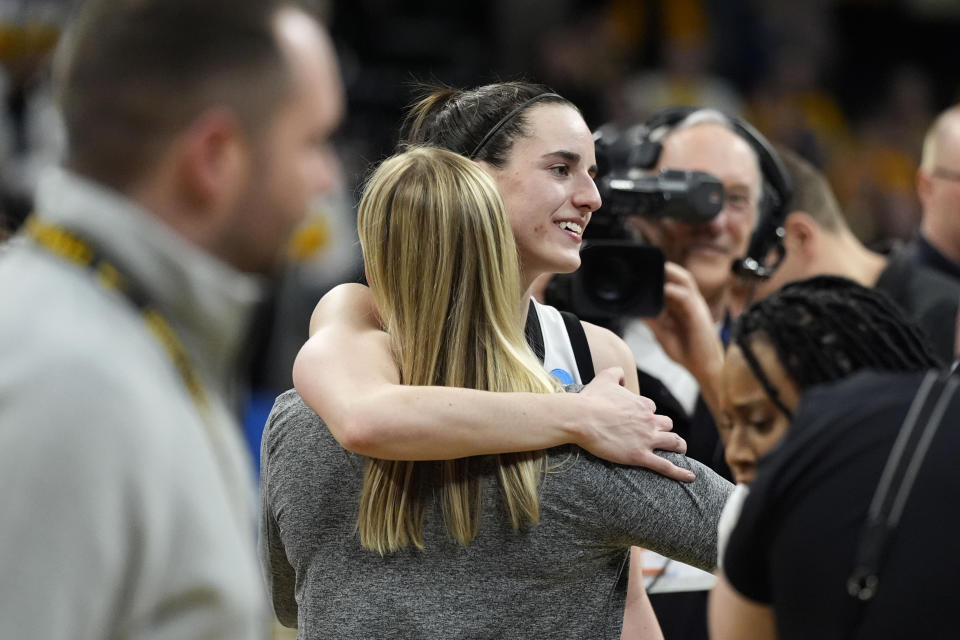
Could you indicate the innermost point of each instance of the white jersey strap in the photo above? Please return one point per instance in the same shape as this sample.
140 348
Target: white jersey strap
558 354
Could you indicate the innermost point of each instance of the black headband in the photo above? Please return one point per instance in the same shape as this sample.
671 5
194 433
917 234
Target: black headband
507 118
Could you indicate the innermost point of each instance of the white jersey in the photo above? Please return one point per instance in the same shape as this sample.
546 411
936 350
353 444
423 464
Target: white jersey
558 355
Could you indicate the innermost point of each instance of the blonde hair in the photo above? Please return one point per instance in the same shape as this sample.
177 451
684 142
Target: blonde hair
442 264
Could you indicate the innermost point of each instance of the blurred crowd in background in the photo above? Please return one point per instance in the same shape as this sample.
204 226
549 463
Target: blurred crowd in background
851 85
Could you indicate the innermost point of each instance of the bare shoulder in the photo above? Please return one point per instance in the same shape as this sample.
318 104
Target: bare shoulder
344 318
348 304
607 349
345 336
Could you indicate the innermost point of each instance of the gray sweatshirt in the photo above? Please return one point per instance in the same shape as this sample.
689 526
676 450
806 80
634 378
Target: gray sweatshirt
564 577
124 514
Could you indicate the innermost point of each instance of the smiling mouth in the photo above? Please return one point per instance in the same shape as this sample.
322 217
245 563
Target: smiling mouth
703 247
572 227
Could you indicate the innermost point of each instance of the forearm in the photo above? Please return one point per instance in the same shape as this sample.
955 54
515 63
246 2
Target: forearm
430 423
687 332
346 373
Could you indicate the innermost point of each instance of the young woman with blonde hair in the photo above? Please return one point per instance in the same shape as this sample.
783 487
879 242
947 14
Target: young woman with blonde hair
512 545
448 293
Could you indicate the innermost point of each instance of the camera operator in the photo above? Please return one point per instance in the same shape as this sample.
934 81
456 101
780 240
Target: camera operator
706 141
707 191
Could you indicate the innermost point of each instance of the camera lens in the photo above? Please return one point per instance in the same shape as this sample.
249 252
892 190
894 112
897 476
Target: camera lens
612 280
620 279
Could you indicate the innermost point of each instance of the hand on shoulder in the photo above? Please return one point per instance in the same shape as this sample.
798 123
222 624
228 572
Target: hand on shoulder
623 427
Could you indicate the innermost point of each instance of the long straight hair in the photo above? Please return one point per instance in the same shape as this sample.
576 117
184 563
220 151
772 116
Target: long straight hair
443 268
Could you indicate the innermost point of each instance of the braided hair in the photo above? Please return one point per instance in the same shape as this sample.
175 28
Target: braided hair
826 328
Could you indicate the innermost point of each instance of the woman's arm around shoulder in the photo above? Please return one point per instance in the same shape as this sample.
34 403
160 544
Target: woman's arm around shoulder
608 350
347 374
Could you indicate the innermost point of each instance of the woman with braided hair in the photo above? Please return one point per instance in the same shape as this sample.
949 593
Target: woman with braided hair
847 531
811 332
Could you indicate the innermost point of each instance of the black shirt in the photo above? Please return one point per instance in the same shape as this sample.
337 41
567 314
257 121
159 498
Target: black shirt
794 544
923 253
928 296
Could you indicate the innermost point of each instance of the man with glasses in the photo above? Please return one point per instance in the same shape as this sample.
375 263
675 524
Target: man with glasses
937 245
705 140
817 241
699 256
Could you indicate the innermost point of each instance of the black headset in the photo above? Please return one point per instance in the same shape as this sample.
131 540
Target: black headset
776 195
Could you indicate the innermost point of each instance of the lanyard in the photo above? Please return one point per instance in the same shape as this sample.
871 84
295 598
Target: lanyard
74 249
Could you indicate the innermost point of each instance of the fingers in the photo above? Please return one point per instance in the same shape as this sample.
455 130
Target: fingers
612 374
663 423
676 274
669 441
666 468
677 294
680 288
680 300
646 404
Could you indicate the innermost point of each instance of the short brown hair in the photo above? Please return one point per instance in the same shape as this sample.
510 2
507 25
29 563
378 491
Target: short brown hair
811 192
131 74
